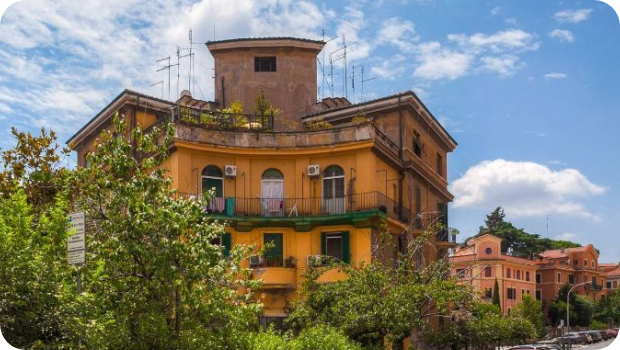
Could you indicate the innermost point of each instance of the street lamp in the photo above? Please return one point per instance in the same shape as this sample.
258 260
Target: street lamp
568 310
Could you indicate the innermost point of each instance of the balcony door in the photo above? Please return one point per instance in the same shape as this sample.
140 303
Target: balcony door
212 180
333 190
272 193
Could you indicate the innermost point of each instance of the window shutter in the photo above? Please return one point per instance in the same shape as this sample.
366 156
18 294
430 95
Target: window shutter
346 251
226 243
323 241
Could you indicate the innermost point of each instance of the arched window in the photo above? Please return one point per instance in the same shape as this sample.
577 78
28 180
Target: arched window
333 190
272 193
212 179
272 174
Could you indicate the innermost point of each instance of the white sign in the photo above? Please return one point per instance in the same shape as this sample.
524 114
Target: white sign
76 243
76 257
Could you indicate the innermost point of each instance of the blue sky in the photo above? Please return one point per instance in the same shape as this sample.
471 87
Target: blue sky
528 88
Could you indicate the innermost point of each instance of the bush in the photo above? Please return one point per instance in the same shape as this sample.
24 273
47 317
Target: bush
318 125
323 338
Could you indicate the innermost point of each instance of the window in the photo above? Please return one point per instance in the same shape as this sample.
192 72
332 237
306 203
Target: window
559 277
274 255
511 293
439 164
417 144
518 274
593 264
585 263
488 271
488 293
460 273
277 322
333 190
488 251
527 276
224 240
418 205
336 245
442 209
522 293
571 279
508 273
594 282
576 262
272 193
615 284
264 64
538 294
213 180
608 284
538 278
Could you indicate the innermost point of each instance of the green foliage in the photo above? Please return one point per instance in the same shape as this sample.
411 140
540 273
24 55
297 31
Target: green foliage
235 119
361 118
581 308
374 302
496 300
318 125
153 279
33 166
532 310
599 325
515 240
484 328
263 109
323 337
608 309
33 253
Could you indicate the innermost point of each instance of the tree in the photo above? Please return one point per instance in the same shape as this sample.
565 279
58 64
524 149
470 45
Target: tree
608 309
32 268
581 309
516 241
153 278
376 302
496 299
532 310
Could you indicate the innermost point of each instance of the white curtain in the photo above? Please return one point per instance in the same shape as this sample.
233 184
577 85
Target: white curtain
272 197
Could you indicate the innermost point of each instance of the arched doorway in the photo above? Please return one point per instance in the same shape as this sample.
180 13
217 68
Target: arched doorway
212 179
272 193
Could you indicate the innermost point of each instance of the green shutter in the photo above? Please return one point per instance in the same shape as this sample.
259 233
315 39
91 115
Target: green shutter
346 251
323 240
276 252
227 243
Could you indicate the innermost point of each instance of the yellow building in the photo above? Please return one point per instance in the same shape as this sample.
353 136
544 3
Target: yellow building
380 166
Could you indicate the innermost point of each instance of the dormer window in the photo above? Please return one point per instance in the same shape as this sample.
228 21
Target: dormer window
264 64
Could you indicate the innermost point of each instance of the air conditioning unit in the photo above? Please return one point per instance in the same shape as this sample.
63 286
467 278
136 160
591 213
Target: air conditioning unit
314 170
230 170
256 261
314 260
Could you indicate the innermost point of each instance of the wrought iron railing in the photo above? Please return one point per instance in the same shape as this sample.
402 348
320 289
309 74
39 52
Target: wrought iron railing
306 207
219 120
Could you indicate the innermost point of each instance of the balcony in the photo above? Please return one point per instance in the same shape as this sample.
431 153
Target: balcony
304 213
217 120
276 277
444 236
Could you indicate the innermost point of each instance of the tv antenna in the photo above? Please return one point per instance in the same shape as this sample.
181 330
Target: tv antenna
168 66
322 65
343 56
364 81
162 87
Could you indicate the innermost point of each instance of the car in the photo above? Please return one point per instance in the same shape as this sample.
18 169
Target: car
531 347
571 339
583 338
603 334
612 333
596 336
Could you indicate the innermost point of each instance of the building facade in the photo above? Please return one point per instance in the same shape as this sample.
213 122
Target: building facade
574 266
379 168
480 263
612 272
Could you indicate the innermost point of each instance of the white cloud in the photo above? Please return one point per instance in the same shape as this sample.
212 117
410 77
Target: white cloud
437 62
562 35
399 33
573 16
512 39
566 236
390 68
524 189
555 76
505 65
496 10
511 21
65 62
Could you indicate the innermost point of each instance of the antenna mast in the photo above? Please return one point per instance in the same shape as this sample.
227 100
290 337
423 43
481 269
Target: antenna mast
168 66
162 87
363 81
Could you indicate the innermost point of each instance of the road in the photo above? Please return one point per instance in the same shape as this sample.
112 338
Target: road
599 345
